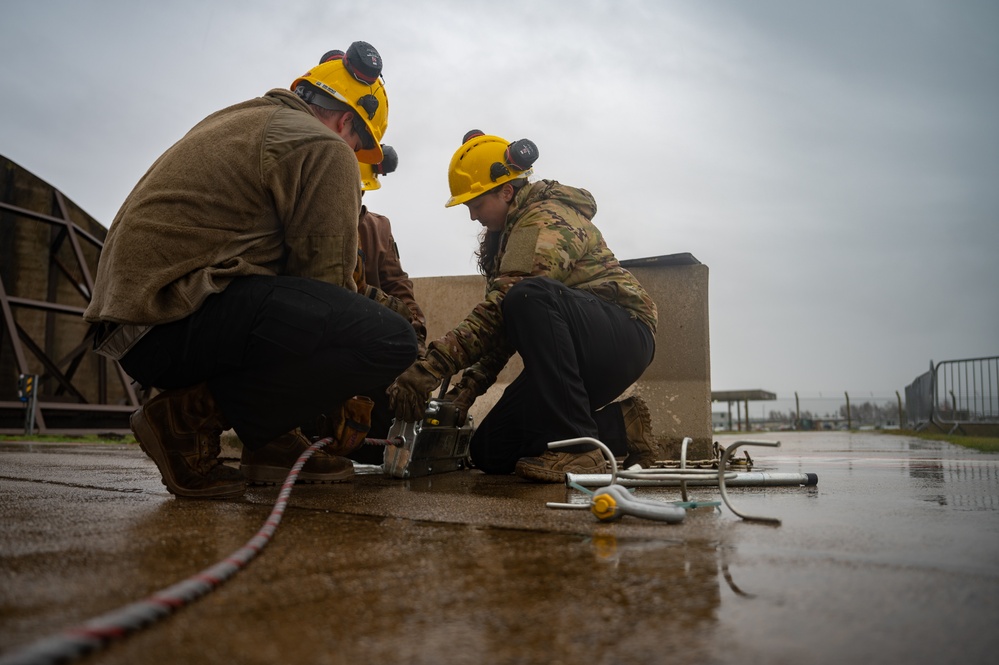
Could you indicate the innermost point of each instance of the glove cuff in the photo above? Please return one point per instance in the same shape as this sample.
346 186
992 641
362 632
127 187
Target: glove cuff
437 364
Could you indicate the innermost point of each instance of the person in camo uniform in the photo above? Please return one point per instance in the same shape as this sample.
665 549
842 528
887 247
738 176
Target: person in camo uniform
555 294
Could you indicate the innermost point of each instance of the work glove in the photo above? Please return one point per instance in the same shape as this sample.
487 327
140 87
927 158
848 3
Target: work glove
421 344
408 394
462 395
346 426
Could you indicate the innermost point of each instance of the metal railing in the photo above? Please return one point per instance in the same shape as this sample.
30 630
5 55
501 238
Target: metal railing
47 262
955 393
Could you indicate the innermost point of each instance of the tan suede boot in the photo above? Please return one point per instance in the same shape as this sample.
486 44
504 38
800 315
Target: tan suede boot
270 465
643 449
179 430
552 466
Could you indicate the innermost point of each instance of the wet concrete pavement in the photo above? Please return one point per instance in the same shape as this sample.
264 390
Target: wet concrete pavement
892 558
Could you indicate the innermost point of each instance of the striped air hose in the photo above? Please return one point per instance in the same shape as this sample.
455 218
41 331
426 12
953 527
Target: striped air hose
100 631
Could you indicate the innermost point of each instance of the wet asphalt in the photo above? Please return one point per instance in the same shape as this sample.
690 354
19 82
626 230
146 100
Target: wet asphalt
892 558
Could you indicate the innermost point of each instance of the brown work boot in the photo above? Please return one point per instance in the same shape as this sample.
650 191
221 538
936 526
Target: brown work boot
552 466
643 449
179 430
270 465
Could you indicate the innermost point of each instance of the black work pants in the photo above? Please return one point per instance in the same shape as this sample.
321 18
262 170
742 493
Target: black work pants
277 352
579 352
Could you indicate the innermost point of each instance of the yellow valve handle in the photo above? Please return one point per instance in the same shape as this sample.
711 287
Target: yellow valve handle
604 507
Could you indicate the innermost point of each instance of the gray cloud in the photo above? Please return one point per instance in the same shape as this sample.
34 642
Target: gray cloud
834 164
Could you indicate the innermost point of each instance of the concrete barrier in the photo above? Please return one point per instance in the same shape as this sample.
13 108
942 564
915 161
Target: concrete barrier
676 386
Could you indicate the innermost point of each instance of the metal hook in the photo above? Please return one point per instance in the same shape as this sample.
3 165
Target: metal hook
721 478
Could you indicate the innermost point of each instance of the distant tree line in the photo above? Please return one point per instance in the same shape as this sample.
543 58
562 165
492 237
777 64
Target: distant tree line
860 415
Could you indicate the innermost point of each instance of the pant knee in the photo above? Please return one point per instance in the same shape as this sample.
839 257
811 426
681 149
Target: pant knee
529 294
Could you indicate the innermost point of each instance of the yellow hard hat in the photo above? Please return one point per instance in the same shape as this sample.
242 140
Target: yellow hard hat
352 78
370 172
484 162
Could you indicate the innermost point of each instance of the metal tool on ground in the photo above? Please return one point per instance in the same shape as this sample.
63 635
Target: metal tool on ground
681 473
614 501
683 476
437 445
733 479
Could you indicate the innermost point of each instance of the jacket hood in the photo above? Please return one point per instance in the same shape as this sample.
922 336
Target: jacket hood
550 190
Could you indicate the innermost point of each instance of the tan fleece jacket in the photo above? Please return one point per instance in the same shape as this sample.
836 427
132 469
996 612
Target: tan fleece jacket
259 188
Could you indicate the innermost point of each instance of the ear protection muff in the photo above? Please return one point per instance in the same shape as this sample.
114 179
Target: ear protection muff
361 60
521 155
335 54
390 162
364 64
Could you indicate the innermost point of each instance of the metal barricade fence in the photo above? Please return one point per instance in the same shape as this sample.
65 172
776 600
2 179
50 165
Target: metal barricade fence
954 393
919 400
967 391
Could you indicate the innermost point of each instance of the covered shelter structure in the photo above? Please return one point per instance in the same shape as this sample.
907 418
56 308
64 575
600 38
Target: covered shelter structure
741 399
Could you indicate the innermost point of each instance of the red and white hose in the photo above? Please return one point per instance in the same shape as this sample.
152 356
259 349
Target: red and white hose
100 631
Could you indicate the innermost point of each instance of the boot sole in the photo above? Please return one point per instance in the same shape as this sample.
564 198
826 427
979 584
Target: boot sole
538 474
150 444
259 474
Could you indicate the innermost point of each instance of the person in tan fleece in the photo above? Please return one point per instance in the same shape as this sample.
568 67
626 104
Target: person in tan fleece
226 283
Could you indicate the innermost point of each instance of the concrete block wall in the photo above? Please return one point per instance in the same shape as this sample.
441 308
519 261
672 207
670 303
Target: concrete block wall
676 386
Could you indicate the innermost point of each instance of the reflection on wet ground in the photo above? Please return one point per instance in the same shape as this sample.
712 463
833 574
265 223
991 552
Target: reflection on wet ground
891 558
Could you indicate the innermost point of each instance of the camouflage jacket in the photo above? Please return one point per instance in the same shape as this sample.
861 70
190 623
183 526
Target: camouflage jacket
548 233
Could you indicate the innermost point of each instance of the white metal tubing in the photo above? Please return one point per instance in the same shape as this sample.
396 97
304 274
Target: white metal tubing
682 477
593 442
709 479
721 478
626 504
683 465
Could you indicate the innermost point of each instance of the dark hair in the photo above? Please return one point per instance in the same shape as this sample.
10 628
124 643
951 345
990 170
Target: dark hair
489 241
486 254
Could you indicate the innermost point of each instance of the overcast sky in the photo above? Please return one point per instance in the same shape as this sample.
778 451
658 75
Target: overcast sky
834 164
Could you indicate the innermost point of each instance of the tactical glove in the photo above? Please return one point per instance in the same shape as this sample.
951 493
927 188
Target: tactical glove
463 395
409 394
